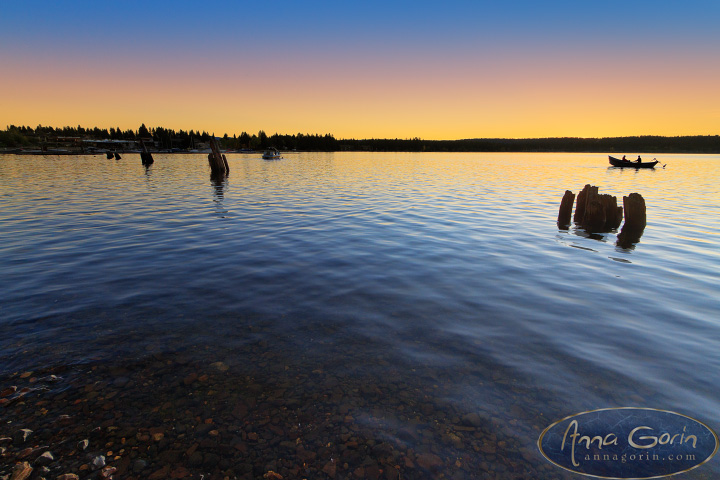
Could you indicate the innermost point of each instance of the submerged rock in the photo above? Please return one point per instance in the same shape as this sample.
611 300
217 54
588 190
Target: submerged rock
429 461
98 462
220 366
472 420
45 459
21 471
22 435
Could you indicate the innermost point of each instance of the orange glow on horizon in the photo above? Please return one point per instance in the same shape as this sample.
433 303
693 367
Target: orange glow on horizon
507 98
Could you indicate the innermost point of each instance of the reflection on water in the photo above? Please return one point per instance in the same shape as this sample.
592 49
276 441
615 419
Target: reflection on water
629 237
219 182
353 315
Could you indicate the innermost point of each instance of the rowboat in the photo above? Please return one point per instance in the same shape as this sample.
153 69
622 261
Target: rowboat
616 162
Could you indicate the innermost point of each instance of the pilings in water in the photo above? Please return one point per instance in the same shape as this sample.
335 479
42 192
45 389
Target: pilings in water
635 216
581 202
145 157
635 220
218 162
566 209
117 156
109 155
597 213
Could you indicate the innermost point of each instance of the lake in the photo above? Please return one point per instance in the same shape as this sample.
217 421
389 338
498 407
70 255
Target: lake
345 315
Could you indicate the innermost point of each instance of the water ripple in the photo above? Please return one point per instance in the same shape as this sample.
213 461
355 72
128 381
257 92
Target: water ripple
447 260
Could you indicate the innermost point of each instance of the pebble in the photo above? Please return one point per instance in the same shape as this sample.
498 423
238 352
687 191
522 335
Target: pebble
330 469
44 459
98 462
139 465
159 474
21 471
107 472
8 391
429 461
472 420
392 473
121 381
26 452
220 366
22 435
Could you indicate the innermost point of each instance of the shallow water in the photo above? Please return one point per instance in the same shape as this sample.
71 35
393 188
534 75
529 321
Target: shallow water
403 290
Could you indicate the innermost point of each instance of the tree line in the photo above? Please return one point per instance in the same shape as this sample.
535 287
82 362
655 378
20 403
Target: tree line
169 139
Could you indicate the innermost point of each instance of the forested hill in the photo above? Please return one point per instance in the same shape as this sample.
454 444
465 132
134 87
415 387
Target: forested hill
646 144
14 137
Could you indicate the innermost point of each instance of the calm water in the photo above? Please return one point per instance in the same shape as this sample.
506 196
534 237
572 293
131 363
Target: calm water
440 281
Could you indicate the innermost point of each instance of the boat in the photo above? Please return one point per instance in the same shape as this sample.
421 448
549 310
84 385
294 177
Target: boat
271 154
616 162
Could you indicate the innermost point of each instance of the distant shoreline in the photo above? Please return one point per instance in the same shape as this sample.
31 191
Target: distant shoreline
259 152
74 141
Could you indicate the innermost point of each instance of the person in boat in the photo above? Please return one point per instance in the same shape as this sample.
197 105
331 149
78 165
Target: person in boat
638 160
624 159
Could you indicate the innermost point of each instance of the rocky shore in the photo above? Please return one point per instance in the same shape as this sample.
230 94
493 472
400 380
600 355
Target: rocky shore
266 417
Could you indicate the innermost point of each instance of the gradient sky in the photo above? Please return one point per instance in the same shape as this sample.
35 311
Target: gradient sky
435 70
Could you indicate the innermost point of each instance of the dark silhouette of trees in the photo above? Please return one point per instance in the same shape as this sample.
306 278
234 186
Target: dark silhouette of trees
24 136
143 131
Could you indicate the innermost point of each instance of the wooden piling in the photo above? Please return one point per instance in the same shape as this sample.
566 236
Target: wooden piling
635 216
145 156
635 221
595 213
594 218
613 213
218 162
580 204
565 212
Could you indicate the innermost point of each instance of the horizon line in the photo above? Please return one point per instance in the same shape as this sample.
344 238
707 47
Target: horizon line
135 131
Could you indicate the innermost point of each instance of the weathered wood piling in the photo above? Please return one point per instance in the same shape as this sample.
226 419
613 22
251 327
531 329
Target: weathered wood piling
594 212
580 205
218 162
635 216
614 214
597 213
566 209
145 156
635 221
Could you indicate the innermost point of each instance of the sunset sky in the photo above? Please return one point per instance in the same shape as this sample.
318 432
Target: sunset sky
435 70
